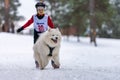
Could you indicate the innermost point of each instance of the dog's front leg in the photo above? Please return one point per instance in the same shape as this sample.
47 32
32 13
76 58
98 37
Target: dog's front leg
38 60
55 62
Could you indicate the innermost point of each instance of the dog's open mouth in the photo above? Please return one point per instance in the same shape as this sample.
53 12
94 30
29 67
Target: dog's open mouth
54 40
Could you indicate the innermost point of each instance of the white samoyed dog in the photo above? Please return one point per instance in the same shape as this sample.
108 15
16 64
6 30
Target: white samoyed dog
47 48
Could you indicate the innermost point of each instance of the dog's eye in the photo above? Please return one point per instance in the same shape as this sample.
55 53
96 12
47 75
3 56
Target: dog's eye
53 35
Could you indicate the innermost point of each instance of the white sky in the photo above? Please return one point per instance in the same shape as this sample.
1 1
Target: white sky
27 9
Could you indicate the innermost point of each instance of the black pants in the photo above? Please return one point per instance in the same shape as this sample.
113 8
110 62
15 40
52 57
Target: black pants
35 39
35 36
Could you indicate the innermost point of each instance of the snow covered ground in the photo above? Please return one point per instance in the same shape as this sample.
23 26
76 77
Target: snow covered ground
79 61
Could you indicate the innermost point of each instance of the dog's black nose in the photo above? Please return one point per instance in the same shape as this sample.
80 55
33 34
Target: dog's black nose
56 38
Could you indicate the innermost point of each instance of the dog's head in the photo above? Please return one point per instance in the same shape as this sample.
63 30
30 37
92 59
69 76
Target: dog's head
53 37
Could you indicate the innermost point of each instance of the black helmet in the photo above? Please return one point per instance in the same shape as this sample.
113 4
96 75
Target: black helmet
40 4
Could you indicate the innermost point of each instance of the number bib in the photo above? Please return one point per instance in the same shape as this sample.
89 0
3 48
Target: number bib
40 25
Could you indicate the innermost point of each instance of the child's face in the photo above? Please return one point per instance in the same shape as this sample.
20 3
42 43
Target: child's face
40 10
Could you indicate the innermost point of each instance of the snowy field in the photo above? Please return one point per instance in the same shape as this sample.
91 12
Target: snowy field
79 61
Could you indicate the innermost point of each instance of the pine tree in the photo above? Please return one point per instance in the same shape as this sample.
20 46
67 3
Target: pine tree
9 13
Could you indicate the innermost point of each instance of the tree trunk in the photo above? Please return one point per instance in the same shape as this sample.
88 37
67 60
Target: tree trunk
6 26
92 22
78 34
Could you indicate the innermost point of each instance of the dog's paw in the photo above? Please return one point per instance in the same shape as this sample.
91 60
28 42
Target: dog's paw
54 65
41 68
37 65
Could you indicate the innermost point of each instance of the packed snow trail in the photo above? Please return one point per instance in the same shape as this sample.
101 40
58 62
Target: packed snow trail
79 61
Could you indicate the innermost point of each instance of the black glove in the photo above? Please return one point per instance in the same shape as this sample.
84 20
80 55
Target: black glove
19 29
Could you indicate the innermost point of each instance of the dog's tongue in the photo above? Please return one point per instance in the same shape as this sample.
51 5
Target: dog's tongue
55 41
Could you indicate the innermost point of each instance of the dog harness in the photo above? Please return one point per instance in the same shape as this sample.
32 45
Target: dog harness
40 25
51 50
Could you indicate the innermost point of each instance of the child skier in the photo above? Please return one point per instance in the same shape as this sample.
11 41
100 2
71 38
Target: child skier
41 23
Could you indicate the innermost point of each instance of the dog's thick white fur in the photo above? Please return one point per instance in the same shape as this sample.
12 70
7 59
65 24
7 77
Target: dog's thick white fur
50 38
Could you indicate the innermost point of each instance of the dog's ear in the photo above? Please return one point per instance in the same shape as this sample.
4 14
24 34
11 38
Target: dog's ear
57 28
49 29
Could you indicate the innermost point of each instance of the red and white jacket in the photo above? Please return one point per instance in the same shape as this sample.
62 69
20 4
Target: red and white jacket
40 25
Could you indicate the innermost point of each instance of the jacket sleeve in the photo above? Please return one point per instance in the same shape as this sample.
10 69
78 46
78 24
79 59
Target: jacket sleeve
28 23
50 23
